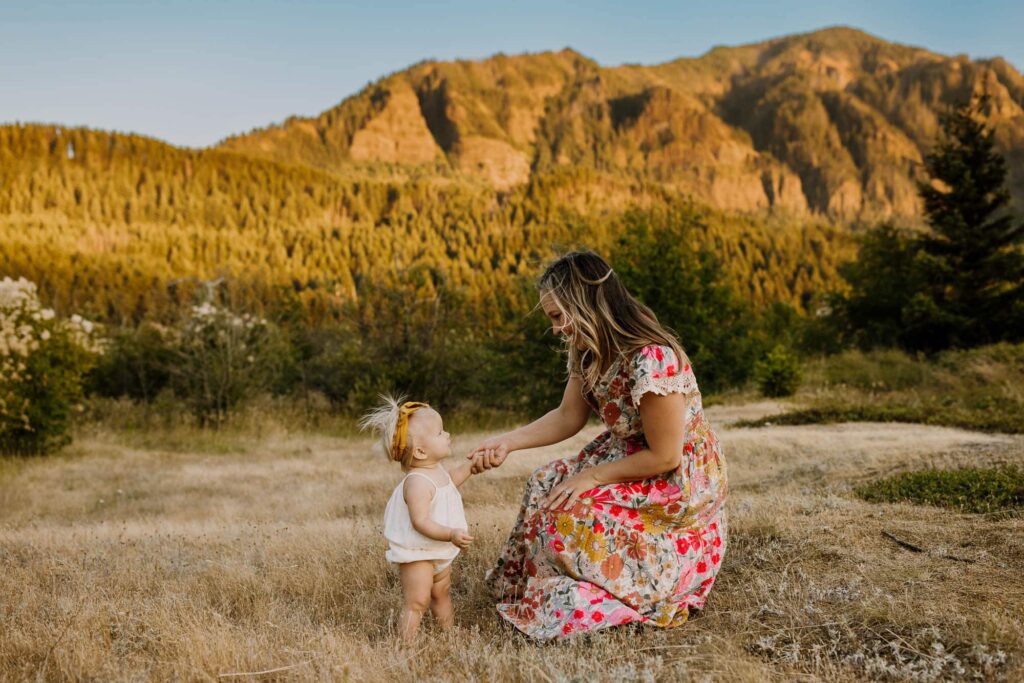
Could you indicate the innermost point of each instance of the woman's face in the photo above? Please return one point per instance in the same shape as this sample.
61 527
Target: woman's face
559 325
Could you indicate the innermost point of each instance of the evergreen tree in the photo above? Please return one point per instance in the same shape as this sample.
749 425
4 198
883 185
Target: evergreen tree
970 263
660 263
883 280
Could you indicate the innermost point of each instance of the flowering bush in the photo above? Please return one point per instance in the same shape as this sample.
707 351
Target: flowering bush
220 358
42 362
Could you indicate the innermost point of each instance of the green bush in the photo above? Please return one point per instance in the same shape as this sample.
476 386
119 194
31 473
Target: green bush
778 373
968 490
136 364
220 358
43 360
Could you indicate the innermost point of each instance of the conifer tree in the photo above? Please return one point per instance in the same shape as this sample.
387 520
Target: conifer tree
970 263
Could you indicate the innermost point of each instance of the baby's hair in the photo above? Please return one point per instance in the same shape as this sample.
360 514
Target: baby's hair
383 420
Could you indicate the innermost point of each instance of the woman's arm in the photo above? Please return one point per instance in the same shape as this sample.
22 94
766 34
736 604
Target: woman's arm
664 420
557 425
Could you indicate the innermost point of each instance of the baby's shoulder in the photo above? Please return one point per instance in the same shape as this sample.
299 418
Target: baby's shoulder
418 485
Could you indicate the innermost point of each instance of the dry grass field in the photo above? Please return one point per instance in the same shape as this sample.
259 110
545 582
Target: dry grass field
190 556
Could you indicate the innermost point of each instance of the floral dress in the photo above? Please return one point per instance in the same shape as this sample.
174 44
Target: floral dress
644 551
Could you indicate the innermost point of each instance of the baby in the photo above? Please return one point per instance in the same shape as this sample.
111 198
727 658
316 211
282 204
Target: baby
424 522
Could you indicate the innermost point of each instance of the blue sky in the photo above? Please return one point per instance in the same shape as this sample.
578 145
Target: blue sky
192 72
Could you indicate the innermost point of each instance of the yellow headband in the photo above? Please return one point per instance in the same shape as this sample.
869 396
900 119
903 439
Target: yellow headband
400 440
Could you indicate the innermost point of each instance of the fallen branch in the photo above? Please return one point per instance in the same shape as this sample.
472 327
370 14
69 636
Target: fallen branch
903 544
260 673
918 549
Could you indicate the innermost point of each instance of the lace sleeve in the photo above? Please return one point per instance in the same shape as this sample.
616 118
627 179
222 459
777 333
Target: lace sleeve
657 370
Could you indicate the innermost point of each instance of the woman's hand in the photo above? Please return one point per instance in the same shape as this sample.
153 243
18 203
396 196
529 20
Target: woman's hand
566 493
490 453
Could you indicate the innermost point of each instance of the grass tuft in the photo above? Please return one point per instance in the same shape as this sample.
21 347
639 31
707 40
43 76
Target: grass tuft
969 489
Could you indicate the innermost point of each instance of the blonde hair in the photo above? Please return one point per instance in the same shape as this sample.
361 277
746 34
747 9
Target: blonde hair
383 421
607 321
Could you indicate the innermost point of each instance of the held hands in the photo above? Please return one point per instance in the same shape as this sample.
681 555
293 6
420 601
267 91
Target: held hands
460 537
563 496
491 453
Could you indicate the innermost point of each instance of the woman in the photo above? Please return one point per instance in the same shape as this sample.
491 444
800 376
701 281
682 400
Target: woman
633 528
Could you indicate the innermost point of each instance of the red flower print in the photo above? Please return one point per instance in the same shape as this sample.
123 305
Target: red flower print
615 511
658 353
558 614
597 616
670 371
578 614
717 542
696 537
567 629
682 546
598 527
531 568
715 558
557 545
597 499
702 567
552 529
660 484
686 368
611 413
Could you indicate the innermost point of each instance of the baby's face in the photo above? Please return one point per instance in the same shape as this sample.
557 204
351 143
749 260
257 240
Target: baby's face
429 434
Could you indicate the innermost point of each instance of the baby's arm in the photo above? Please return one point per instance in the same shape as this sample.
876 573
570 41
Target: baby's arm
460 473
417 498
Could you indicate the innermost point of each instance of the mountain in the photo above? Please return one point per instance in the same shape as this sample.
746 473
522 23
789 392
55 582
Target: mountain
465 177
834 122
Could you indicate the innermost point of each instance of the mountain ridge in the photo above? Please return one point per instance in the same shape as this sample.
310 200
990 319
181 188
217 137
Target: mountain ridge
834 122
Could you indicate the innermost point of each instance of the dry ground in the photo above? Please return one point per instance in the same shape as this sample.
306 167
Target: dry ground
196 557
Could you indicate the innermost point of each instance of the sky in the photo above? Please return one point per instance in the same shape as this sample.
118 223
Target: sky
193 72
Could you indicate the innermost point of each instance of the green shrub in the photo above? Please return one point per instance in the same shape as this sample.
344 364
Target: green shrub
43 360
220 358
778 373
969 489
136 364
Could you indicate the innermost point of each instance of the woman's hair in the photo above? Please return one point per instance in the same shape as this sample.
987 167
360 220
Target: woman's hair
383 421
606 320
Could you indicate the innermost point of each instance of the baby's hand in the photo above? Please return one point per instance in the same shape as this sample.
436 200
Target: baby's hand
461 538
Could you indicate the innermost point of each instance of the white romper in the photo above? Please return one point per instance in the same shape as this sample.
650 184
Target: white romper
405 544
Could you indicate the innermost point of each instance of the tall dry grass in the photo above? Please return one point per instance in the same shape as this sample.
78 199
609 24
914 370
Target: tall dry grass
188 556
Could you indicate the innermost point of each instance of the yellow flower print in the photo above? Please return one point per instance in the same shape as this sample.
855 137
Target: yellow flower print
592 543
565 525
655 519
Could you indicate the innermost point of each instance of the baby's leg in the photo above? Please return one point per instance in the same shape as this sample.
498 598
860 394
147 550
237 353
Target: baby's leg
440 599
417 582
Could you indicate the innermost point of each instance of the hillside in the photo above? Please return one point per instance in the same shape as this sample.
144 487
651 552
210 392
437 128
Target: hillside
834 122
122 227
